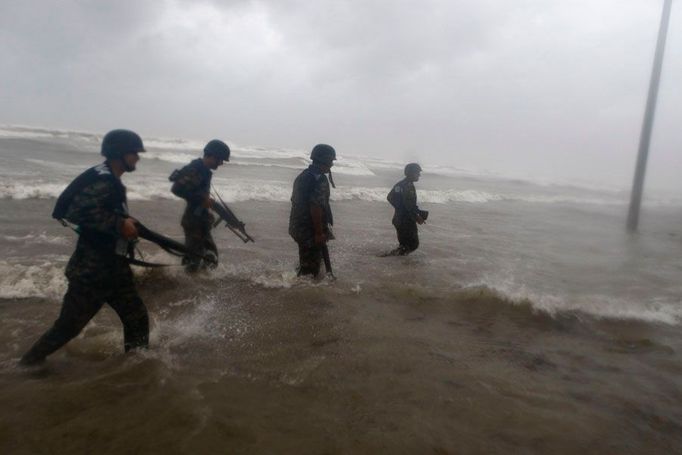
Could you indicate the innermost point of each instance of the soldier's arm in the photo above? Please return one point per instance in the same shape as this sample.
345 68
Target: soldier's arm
188 187
90 209
410 203
316 202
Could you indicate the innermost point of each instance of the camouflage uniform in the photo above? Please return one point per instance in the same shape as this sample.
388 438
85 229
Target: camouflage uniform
193 183
403 197
311 187
98 271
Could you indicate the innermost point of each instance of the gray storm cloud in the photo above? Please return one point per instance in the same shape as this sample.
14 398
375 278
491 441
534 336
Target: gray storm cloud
531 88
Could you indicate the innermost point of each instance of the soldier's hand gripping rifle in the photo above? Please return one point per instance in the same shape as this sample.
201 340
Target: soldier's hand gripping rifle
169 245
229 218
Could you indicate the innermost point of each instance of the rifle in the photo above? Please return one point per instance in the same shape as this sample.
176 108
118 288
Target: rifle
229 218
327 261
170 246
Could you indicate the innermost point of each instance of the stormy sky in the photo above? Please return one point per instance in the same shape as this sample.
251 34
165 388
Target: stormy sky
542 89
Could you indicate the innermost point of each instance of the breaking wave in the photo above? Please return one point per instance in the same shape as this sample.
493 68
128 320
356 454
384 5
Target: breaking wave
256 190
43 280
596 305
41 238
46 279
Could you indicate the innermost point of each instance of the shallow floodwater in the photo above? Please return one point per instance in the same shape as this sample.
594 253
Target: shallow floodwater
527 322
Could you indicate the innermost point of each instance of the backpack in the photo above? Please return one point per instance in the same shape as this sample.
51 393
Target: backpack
394 197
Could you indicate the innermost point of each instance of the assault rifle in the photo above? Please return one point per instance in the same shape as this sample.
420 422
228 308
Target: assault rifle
170 246
230 219
327 261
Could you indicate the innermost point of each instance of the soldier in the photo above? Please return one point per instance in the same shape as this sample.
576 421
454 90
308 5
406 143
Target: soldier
193 184
98 271
311 216
403 197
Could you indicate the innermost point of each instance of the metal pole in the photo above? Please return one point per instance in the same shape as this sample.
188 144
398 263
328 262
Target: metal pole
645 136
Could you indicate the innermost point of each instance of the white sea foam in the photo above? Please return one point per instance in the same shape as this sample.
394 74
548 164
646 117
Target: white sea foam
10 133
30 190
341 166
18 184
30 132
44 280
171 157
271 153
54 164
656 310
191 146
351 167
41 238
235 190
471 196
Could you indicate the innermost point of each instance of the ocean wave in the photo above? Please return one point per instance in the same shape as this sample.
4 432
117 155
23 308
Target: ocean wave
597 305
341 166
236 190
55 165
43 280
173 144
32 190
5 133
41 238
170 157
31 132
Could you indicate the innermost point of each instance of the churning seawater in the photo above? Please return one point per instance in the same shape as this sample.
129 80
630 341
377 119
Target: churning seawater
528 320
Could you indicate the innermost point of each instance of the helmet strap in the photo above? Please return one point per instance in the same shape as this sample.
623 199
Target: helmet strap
331 179
124 163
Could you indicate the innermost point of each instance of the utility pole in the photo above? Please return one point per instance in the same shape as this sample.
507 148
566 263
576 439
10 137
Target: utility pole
645 136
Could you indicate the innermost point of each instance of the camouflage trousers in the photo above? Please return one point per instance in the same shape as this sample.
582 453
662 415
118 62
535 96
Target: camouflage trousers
310 259
80 304
199 242
408 237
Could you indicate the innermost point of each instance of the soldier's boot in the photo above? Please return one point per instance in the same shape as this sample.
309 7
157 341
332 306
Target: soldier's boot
191 264
408 238
76 312
50 342
133 314
310 260
400 251
64 330
210 253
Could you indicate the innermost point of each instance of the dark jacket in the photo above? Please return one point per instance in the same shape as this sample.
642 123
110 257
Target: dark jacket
311 187
193 184
403 198
96 203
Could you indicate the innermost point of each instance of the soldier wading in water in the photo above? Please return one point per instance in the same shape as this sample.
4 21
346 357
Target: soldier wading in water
98 271
193 184
311 216
403 198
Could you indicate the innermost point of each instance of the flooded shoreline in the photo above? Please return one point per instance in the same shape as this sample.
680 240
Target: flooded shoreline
518 326
319 370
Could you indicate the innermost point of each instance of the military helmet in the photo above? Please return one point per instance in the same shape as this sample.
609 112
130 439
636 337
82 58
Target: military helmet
324 154
117 143
412 168
217 148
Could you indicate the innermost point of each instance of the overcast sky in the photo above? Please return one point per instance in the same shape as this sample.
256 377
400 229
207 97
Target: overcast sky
549 89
